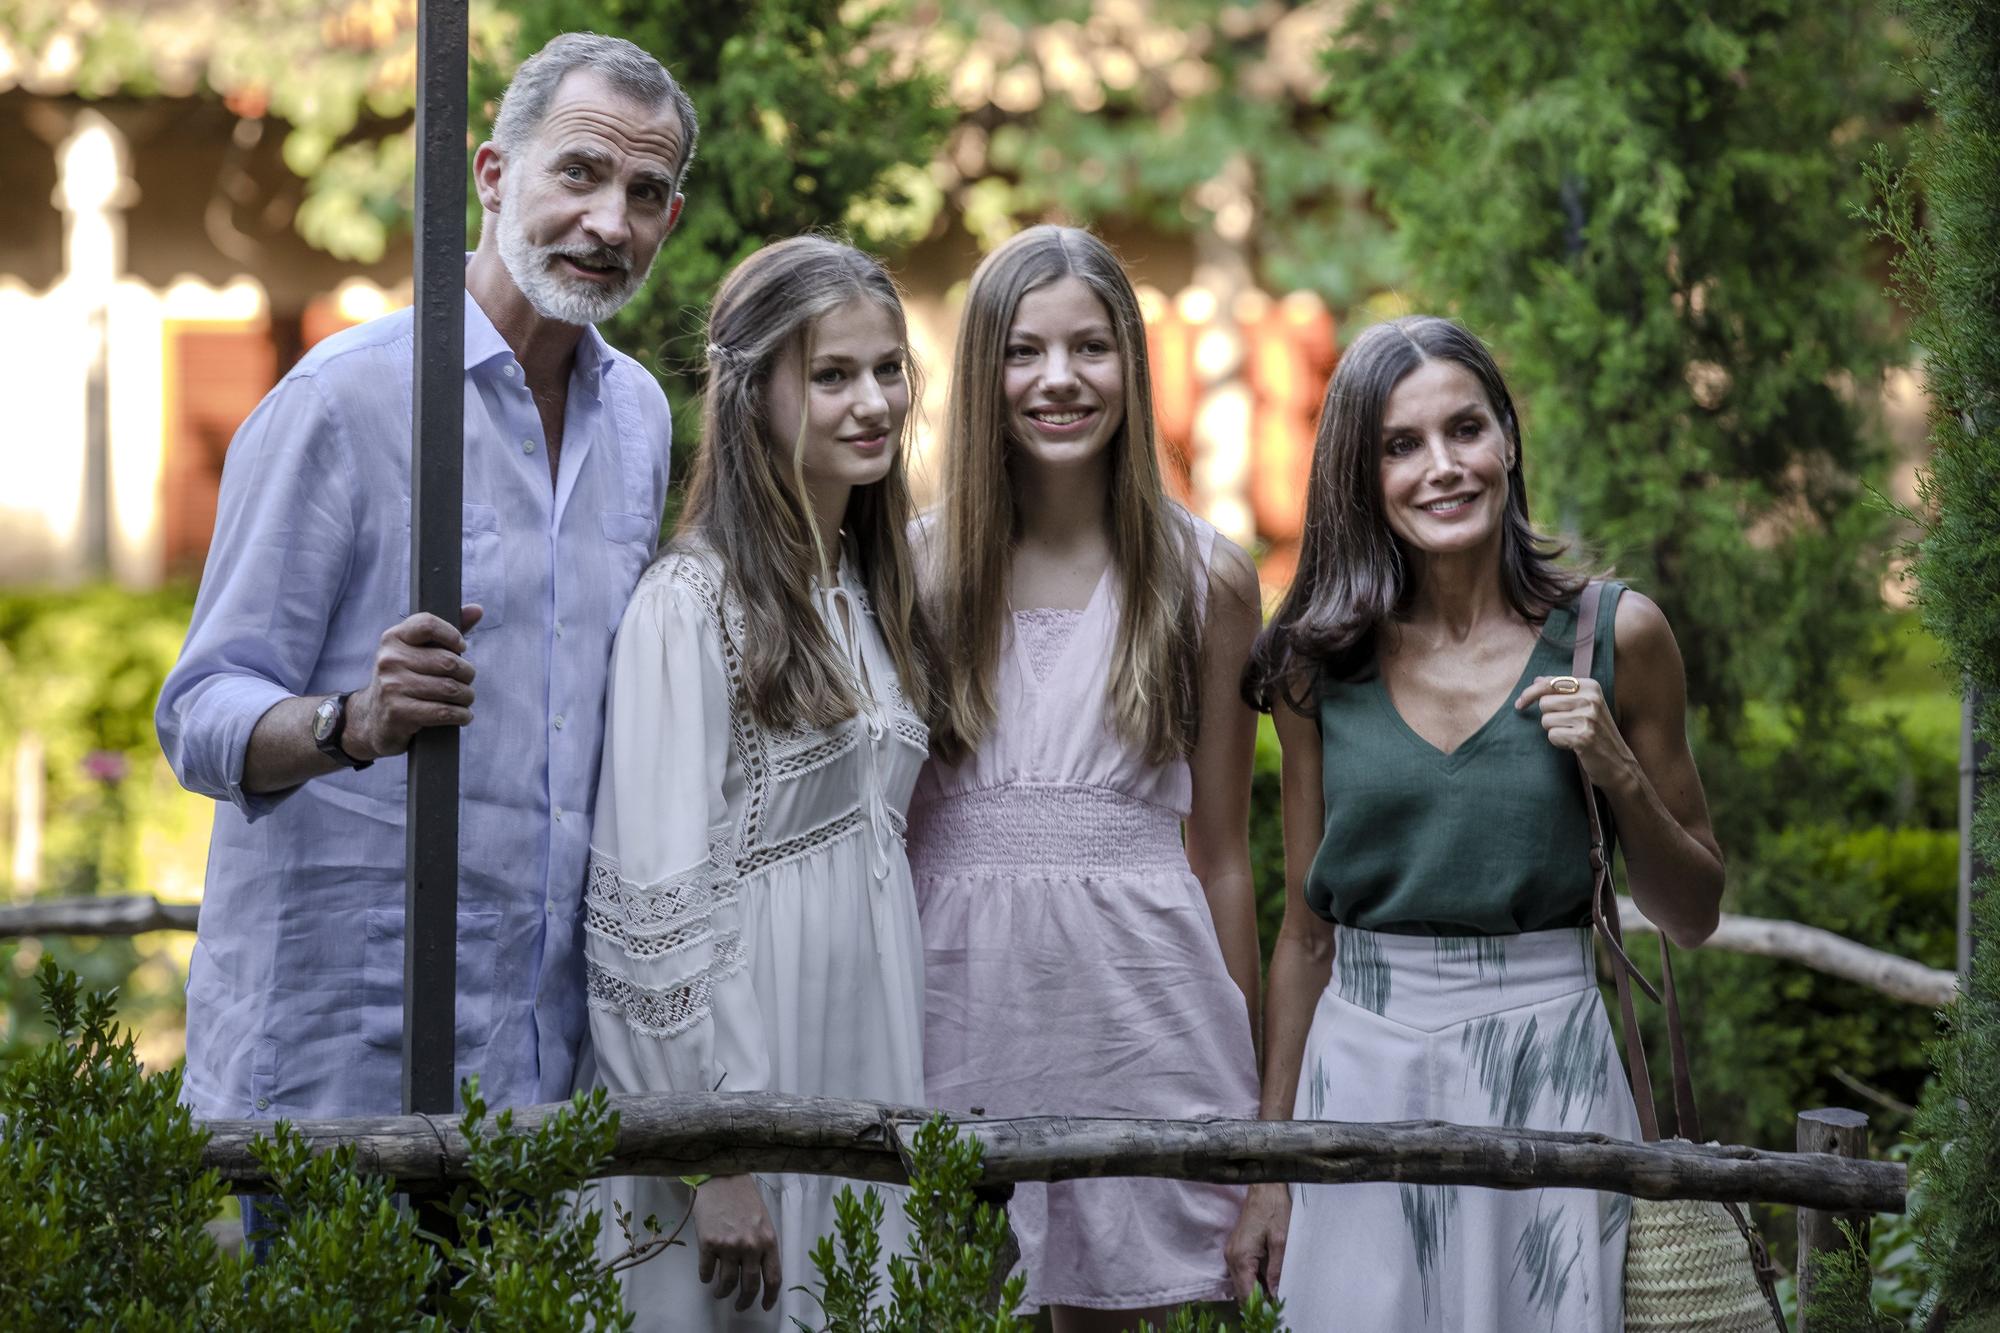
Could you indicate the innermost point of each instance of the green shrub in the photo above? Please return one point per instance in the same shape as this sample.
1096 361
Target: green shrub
103 1206
1959 1134
1944 215
948 1280
1844 1294
1267 835
102 1194
1770 1038
83 668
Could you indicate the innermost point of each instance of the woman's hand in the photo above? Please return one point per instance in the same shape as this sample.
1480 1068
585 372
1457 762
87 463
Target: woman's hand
1580 721
737 1243
1256 1249
1640 759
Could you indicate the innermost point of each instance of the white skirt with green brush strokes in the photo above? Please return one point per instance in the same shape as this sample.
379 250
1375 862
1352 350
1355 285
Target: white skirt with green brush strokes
1507 1031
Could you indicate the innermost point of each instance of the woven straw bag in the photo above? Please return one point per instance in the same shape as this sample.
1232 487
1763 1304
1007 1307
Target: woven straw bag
1691 1266
1685 1269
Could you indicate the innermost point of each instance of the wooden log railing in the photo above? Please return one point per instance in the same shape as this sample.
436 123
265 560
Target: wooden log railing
124 915
1896 977
669 1134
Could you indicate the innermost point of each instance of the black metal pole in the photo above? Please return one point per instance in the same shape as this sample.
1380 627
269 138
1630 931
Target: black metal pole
437 483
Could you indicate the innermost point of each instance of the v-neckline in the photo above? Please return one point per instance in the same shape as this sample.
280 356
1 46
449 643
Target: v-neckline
1452 757
1022 661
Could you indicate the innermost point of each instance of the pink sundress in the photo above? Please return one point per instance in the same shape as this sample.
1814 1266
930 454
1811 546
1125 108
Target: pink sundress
1072 967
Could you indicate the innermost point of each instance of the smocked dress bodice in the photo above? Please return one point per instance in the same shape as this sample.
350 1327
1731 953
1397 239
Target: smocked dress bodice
1052 784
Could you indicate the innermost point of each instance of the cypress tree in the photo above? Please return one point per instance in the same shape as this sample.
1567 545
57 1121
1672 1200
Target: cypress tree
1944 211
1643 209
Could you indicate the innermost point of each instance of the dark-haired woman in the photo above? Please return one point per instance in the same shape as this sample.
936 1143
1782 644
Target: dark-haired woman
1435 960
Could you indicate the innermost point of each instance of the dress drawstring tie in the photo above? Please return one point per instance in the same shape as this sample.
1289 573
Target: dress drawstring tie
842 613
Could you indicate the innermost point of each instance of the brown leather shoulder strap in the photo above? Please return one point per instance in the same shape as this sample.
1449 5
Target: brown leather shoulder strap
1604 915
1603 894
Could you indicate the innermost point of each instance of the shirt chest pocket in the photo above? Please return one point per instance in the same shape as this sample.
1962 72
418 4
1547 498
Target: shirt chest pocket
628 540
483 576
482 571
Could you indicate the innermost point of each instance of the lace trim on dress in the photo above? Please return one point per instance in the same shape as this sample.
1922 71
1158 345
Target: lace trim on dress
804 751
764 758
745 738
1045 632
755 860
649 921
666 1011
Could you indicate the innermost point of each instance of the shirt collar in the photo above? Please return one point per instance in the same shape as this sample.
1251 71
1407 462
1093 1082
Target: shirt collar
593 354
483 342
485 346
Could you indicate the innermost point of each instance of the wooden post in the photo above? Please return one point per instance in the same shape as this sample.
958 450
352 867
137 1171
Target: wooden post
1843 1134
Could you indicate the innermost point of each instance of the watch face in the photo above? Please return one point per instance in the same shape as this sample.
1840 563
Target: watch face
323 718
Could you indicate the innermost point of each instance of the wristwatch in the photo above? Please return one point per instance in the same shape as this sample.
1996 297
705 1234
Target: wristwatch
329 726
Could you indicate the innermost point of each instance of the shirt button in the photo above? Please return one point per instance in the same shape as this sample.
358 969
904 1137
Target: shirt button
559 629
509 370
527 446
559 721
552 907
263 1103
558 814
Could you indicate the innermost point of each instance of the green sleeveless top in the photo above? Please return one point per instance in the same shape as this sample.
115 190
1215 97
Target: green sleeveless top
1491 839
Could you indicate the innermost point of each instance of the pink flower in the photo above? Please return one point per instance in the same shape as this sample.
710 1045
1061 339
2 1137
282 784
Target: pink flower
105 765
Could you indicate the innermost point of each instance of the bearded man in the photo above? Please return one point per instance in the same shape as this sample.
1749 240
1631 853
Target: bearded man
303 678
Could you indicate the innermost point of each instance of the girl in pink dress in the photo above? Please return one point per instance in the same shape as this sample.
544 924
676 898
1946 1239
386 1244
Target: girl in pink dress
1079 839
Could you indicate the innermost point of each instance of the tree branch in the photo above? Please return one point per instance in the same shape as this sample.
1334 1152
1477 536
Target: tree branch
1822 950
135 915
1898 978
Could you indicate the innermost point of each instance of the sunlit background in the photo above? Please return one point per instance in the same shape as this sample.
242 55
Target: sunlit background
192 193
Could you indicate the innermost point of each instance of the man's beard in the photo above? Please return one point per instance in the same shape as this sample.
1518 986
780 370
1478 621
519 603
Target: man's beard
555 295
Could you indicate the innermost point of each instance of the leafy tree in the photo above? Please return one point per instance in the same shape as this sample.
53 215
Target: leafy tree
339 77
1643 208
808 123
812 119
1949 278
1181 117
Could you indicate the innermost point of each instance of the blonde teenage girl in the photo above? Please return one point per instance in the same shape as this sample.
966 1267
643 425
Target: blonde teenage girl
1080 836
751 924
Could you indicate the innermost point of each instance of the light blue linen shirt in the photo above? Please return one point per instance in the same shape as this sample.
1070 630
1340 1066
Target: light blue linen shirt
294 995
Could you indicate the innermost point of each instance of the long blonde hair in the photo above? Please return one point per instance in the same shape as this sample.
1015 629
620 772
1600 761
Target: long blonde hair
1156 663
745 503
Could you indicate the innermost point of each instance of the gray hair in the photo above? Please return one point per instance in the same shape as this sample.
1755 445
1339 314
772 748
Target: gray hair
628 68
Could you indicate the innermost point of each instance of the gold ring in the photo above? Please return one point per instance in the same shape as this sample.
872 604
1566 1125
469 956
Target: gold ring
1565 685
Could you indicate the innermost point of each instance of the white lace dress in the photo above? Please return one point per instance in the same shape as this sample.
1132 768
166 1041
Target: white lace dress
750 922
